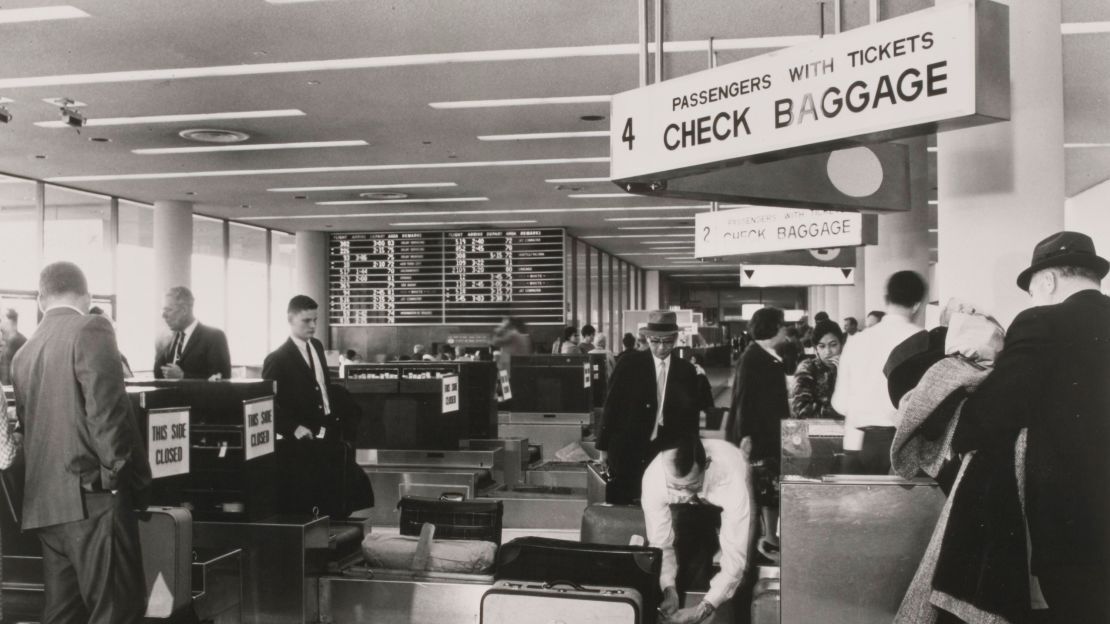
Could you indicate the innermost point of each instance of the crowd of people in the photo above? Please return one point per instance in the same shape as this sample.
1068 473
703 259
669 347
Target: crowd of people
1011 423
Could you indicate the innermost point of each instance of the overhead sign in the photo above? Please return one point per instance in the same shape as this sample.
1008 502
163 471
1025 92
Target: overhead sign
168 442
450 393
766 275
945 67
760 230
258 433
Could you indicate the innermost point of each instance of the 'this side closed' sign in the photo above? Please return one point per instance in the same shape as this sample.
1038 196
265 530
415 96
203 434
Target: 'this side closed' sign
945 67
258 434
168 442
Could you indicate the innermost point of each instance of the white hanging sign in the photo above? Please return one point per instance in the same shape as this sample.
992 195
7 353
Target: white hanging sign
258 432
168 442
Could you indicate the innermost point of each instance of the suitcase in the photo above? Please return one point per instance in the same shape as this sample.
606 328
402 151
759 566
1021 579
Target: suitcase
166 535
460 520
544 560
597 482
321 477
613 524
513 602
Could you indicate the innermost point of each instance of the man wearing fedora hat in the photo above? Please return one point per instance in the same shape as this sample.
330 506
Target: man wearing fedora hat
652 399
1053 380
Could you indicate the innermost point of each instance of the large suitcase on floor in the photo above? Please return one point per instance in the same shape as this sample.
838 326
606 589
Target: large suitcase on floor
321 476
514 602
458 520
166 535
617 525
544 560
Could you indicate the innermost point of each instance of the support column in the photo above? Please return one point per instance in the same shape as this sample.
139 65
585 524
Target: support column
173 245
850 298
652 299
816 301
310 276
903 237
1001 186
832 302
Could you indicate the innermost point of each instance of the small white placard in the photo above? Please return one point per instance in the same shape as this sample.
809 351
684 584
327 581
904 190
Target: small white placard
586 375
765 275
450 393
506 387
258 432
761 230
168 442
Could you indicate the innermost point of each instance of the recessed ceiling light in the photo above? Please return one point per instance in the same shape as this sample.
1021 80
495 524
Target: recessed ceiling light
359 187
383 195
545 135
254 172
152 119
414 200
592 117
447 213
190 193
417 223
250 147
213 135
40 14
575 180
40 156
1084 28
404 60
1085 145
603 196
313 83
244 205
300 197
100 139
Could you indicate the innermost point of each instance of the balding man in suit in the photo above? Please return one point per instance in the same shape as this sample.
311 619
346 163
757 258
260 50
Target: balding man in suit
86 467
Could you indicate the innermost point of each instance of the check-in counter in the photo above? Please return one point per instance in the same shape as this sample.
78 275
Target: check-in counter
851 545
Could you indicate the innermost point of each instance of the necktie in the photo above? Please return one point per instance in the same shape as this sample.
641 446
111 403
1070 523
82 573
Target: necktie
178 345
311 363
660 386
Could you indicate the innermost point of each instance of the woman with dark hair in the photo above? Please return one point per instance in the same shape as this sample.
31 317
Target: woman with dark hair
816 377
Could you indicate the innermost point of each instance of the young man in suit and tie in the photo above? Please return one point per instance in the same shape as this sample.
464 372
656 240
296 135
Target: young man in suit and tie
653 397
191 350
307 421
87 470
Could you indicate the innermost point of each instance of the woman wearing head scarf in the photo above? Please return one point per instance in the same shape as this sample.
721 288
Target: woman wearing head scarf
816 377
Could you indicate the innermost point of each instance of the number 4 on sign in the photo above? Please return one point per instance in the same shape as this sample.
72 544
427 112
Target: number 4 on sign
627 135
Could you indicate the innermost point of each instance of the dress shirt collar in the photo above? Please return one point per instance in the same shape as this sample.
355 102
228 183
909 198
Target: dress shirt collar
62 306
656 361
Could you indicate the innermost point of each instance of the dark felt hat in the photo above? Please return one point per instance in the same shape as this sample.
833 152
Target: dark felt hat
661 323
1064 249
908 361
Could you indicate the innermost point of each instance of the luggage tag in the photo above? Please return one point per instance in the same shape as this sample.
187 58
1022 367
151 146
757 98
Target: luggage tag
223 449
323 432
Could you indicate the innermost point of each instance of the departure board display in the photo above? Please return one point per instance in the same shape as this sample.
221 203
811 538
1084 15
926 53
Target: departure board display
446 278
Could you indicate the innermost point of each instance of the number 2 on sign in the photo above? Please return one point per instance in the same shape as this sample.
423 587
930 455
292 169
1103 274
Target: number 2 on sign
627 135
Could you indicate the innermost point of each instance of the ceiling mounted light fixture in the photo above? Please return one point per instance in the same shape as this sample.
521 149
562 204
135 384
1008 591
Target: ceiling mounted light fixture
210 135
250 147
383 195
152 119
360 187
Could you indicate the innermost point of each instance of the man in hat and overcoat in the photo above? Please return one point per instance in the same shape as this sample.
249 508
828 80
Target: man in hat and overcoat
653 398
1053 380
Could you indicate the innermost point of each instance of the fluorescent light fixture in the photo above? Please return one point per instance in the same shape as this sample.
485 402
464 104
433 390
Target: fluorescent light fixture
1085 145
654 227
933 202
410 200
608 236
40 14
248 147
602 195
448 213
671 249
576 180
154 119
405 60
686 218
660 242
416 223
645 253
545 135
1083 28
933 230
350 168
931 149
361 187
538 101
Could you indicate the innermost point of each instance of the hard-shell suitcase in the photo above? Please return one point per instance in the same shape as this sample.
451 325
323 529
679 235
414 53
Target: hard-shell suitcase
516 602
544 560
618 525
463 520
321 476
166 535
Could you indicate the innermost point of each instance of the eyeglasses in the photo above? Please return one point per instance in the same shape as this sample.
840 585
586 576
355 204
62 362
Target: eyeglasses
661 341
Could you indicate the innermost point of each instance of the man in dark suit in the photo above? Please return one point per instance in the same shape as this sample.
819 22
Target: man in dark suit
1053 379
759 400
86 466
191 350
307 419
653 397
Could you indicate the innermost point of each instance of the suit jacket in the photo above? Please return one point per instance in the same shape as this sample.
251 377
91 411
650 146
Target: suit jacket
630 410
1053 377
759 403
297 401
205 354
78 425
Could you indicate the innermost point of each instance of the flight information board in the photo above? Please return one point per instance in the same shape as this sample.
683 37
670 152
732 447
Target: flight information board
446 278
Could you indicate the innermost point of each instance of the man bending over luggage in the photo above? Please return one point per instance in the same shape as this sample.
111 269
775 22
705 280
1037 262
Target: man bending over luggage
690 490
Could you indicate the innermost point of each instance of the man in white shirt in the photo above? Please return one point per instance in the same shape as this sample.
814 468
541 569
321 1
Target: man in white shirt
861 388
708 481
